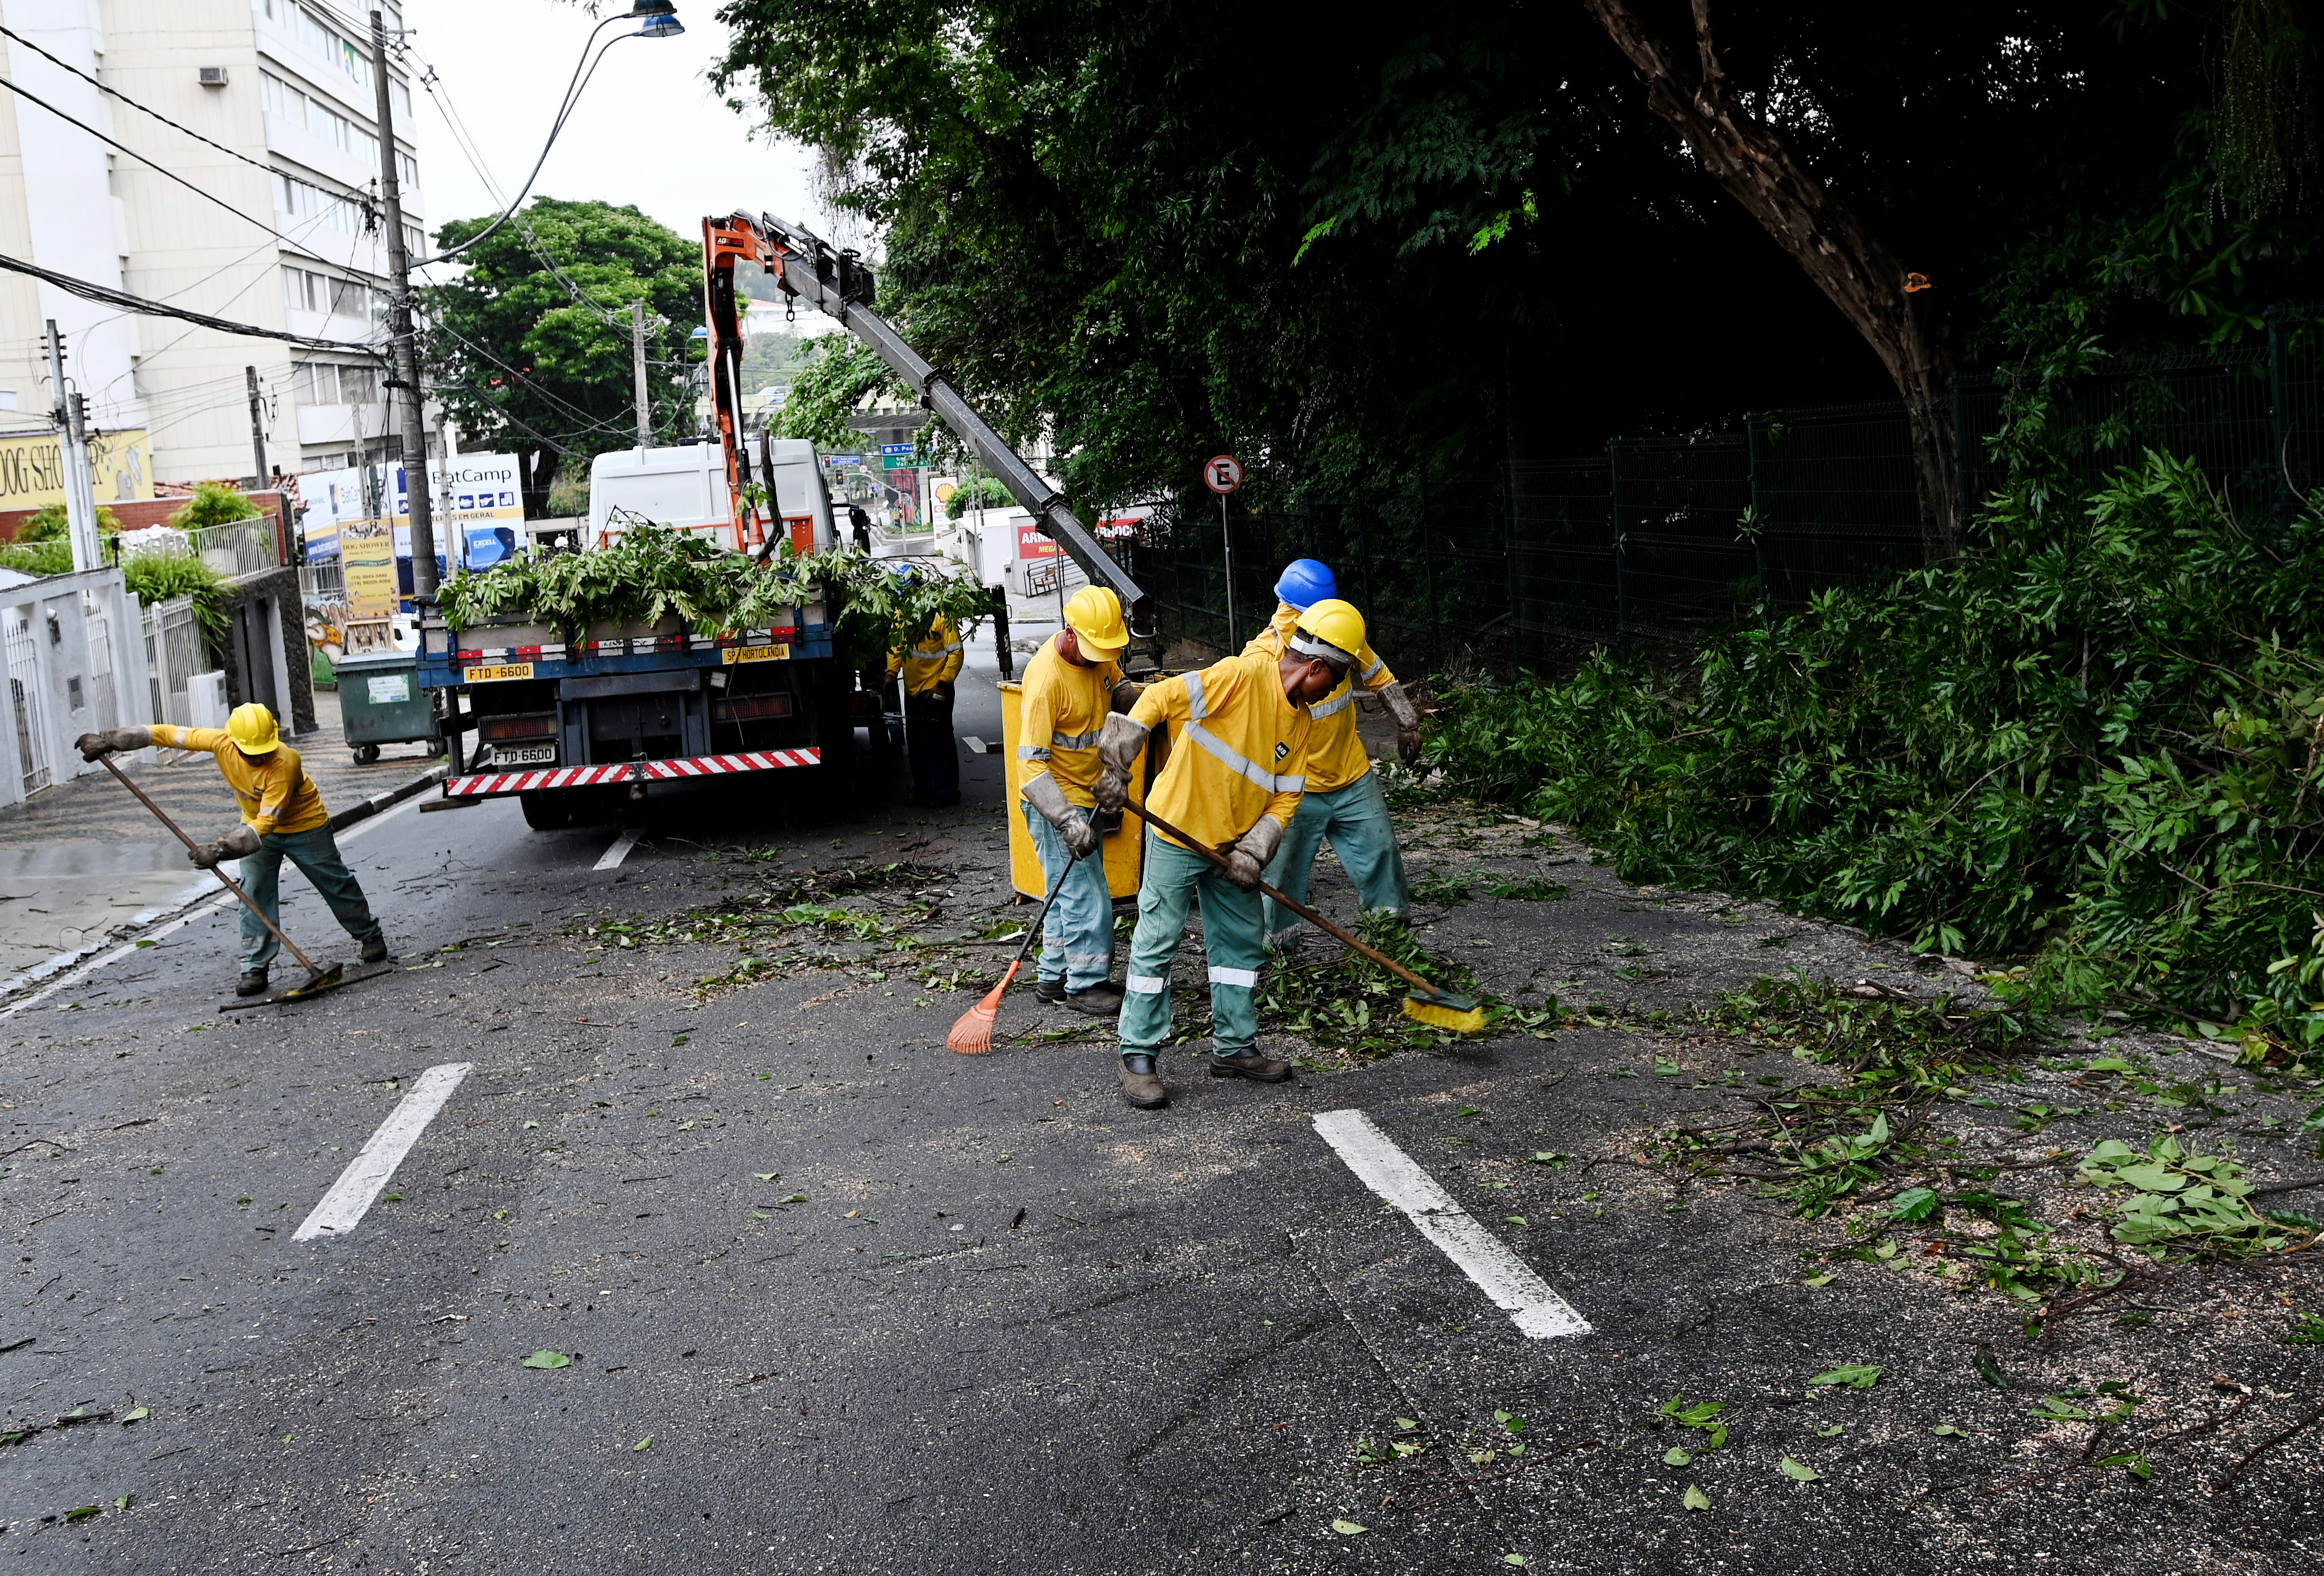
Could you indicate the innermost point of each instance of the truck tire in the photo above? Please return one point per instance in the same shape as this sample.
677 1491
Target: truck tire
545 812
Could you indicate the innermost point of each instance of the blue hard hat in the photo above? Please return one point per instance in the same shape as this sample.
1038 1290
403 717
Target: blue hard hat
1304 583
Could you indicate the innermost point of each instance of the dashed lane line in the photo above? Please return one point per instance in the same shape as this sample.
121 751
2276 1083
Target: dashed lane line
358 1187
612 857
1531 1302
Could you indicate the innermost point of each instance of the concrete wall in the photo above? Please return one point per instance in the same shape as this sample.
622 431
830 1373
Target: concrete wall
270 657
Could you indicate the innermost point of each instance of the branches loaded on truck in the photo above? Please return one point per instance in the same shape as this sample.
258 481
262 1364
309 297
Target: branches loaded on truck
714 623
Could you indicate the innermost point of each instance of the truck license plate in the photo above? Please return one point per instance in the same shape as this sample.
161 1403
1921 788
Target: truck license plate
524 754
734 654
496 671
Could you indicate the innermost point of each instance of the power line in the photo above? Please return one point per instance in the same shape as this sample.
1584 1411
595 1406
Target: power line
102 87
105 295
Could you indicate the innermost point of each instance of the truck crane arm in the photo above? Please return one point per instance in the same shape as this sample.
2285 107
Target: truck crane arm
837 283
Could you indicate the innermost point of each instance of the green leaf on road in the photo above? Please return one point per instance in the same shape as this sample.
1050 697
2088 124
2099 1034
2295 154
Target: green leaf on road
1915 1204
546 1359
1825 1279
1947 1431
1509 1420
1799 1473
1348 1529
135 1415
1696 1499
1678 1456
81 1513
1861 1376
645 1443
1990 1372
1835 1430
1513 1220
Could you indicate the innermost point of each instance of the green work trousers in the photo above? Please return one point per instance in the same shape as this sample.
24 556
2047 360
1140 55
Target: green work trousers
1174 879
1355 818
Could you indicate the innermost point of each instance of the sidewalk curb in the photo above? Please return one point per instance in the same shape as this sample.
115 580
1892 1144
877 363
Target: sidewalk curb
197 891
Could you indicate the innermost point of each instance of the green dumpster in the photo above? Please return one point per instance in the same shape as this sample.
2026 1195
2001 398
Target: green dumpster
381 703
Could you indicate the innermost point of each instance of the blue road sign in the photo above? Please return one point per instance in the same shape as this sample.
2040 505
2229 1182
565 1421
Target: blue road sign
895 448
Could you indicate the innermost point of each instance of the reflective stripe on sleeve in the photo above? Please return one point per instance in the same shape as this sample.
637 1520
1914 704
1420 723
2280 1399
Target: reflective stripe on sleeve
930 653
1337 703
1032 752
1197 708
1368 673
1246 978
1073 740
1148 985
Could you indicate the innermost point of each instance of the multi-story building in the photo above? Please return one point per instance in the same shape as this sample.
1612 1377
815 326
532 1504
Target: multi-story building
285 237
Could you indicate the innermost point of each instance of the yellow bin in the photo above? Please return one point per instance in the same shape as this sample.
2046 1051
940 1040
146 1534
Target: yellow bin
1124 850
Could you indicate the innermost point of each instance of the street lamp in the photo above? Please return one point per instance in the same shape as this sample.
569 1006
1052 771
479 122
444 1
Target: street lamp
660 18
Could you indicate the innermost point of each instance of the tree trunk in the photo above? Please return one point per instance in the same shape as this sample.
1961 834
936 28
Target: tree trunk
538 475
1820 232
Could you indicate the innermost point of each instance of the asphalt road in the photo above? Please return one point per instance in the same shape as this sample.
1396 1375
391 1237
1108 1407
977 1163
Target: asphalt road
836 1299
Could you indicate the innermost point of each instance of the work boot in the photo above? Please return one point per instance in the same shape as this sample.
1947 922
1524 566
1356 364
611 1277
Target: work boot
252 983
1049 990
1141 1086
1103 1000
375 951
1250 1064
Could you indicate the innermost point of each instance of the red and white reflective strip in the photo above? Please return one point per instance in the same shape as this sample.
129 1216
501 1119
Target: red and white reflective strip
512 654
490 784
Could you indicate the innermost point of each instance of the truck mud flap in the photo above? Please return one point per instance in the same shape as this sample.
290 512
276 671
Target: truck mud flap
492 784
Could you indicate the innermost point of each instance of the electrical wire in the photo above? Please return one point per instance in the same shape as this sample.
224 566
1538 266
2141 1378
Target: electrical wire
105 295
141 158
573 92
8 32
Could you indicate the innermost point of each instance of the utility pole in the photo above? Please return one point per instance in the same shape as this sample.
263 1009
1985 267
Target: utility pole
400 332
72 457
257 429
638 365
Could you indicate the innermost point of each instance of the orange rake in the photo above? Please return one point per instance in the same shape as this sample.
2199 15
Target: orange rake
972 1035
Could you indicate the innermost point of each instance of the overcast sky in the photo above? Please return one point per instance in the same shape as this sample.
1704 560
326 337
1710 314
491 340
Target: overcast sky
649 131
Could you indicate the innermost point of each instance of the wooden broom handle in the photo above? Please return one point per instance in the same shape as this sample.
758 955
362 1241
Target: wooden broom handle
191 846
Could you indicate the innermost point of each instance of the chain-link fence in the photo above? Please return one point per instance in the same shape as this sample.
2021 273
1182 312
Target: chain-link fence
1659 539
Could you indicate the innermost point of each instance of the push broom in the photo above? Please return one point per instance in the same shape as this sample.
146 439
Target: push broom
1424 1003
317 980
972 1035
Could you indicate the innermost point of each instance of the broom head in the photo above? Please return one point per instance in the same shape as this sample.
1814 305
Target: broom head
1442 1010
972 1035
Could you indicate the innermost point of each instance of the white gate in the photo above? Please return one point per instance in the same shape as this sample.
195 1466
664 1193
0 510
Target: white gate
25 690
173 654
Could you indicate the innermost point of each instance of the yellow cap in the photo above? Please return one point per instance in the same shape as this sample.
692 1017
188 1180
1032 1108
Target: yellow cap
1094 615
1331 630
251 729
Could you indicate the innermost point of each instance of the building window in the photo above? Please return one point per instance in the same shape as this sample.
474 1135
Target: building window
407 167
8 400
400 96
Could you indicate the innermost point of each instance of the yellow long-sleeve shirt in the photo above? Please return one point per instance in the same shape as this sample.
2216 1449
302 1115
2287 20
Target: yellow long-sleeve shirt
1336 752
936 660
274 789
1236 748
1063 711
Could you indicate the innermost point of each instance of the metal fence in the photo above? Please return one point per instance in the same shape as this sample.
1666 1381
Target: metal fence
244 547
1660 539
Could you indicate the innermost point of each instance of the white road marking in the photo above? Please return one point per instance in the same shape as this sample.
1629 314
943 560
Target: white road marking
223 902
613 856
358 1186
1483 1258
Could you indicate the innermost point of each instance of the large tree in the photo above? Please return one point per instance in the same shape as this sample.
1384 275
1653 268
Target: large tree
1437 241
531 348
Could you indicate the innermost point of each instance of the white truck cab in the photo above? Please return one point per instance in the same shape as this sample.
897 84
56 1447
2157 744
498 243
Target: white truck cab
685 488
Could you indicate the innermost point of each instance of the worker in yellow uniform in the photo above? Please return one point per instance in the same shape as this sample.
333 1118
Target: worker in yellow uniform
1344 801
1073 684
929 666
1239 746
283 818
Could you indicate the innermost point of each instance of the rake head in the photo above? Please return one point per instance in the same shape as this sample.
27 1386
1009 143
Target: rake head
972 1035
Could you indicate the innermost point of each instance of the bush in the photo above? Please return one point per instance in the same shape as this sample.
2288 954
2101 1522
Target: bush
53 524
213 504
2090 749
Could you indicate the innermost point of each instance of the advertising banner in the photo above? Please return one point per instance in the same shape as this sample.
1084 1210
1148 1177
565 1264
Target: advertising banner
32 476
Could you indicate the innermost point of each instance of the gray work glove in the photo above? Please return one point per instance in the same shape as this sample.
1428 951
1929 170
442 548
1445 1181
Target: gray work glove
1117 751
1126 694
94 745
1249 856
1397 698
238 844
1044 794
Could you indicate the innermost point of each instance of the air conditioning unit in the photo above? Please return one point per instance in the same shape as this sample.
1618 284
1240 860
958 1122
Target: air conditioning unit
210 76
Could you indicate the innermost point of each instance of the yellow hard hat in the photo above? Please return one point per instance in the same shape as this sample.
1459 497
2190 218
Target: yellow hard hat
1331 630
1094 615
252 728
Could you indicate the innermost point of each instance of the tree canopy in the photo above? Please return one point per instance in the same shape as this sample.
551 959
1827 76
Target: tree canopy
1437 241
530 348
